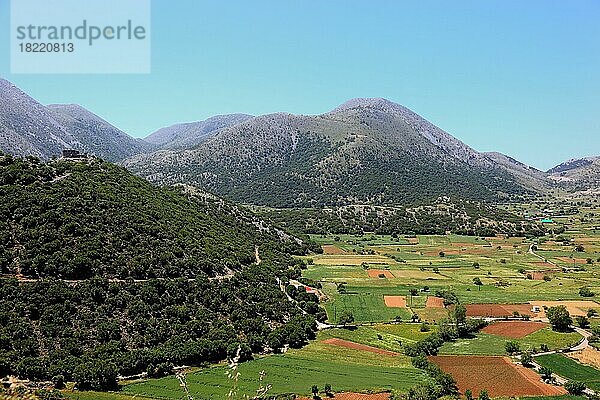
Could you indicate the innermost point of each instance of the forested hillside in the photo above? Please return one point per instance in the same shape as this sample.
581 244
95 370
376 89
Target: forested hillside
75 234
78 220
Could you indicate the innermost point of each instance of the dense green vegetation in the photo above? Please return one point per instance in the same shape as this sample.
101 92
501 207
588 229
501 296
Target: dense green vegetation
77 220
93 330
97 223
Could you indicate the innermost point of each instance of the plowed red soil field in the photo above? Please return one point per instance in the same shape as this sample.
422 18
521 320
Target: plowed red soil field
513 329
374 273
434 302
358 346
498 375
395 301
499 310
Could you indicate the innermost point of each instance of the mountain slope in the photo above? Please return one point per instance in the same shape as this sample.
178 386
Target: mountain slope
193 133
77 220
30 128
583 173
528 176
367 150
96 135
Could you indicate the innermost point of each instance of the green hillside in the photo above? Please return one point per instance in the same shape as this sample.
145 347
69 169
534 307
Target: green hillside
78 233
78 220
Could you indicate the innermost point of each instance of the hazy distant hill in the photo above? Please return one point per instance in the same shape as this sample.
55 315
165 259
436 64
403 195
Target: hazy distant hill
192 133
367 150
583 173
30 128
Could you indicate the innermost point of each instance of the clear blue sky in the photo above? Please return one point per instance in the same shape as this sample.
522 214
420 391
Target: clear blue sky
520 77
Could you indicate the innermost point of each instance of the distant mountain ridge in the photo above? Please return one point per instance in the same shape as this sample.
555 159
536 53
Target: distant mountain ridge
578 174
30 128
191 134
366 150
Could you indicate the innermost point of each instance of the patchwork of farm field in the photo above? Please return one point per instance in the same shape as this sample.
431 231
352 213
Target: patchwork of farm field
493 277
479 270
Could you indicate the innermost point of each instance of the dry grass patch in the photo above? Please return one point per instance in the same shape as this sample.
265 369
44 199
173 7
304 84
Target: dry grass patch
575 307
330 249
589 356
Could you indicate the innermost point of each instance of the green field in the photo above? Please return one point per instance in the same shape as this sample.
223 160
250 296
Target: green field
294 372
571 369
485 344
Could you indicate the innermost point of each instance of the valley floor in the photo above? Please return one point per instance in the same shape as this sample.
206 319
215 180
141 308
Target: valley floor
371 277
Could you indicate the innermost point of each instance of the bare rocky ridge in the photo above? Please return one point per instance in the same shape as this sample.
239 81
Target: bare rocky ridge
29 128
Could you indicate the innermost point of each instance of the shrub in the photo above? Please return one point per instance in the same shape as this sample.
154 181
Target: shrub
575 388
512 347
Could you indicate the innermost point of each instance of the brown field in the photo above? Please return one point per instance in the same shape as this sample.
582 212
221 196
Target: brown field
355 396
500 310
513 329
434 302
332 250
413 240
574 307
374 273
571 260
589 356
395 301
545 265
539 275
357 346
498 375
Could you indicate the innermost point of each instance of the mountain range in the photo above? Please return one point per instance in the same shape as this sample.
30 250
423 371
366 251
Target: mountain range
365 151
30 128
